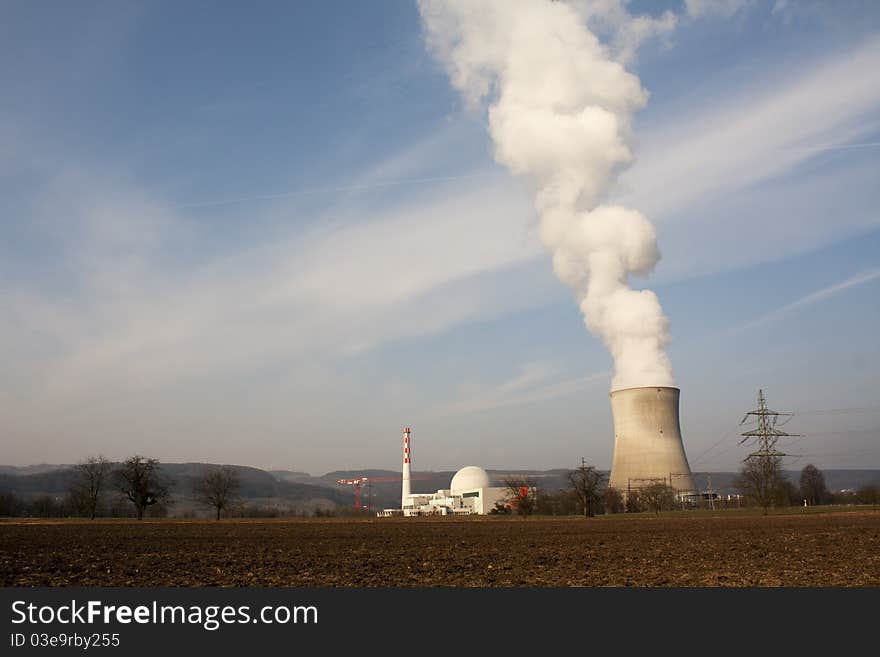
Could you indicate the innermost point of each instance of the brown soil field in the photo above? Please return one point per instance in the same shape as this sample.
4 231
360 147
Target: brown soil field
820 549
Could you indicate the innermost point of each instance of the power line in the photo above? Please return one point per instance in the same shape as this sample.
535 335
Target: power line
701 457
842 411
845 432
862 453
781 419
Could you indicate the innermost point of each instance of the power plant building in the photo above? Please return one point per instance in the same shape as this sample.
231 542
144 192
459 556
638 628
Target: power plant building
469 492
648 449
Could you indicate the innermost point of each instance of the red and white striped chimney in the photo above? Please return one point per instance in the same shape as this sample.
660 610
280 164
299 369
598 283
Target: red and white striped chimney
406 459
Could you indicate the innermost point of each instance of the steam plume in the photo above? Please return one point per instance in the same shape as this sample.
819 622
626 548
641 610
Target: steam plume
559 116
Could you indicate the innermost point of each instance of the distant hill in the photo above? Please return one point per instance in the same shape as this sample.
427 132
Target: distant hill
31 469
290 475
258 487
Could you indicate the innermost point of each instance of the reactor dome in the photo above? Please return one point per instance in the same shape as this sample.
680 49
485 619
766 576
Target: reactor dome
470 477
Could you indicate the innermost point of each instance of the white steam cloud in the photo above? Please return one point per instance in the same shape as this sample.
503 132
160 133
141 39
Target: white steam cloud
559 115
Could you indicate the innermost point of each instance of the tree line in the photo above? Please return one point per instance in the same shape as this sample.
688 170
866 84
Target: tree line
134 488
137 487
758 483
762 483
586 493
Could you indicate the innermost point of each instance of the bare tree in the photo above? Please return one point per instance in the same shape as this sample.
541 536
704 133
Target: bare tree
10 505
138 479
787 493
92 476
634 503
45 506
869 494
218 488
521 495
813 488
612 500
586 482
761 480
77 501
658 496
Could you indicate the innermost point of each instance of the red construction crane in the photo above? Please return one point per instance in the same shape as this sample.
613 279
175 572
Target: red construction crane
357 481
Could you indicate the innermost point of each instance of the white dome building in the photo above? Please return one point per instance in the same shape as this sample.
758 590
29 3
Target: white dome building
469 492
468 478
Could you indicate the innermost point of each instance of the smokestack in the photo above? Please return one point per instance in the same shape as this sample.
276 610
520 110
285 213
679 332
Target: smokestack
647 440
405 493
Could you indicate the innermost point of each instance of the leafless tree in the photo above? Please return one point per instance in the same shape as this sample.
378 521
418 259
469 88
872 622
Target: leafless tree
788 494
761 480
91 481
521 495
560 503
634 503
586 482
813 488
612 500
869 494
658 496
77 500
139 480
218 488
10 505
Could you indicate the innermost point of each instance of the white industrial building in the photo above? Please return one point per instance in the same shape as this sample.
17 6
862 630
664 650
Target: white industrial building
469 493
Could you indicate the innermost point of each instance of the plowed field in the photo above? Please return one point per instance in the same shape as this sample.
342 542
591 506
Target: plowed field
824 549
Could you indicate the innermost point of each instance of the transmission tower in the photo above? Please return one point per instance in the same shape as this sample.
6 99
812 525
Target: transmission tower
766 432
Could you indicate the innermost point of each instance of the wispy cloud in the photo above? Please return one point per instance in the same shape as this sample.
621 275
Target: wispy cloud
359 280
534 383
345 286
775 157
720 8
335 190
840 147
810 299
339 283
714 147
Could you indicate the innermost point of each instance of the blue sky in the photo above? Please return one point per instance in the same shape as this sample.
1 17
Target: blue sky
274 235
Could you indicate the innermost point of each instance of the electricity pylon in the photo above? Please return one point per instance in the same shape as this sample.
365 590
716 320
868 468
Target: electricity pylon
766 432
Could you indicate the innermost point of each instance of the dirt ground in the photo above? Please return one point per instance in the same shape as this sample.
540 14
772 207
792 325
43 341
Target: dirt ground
825 549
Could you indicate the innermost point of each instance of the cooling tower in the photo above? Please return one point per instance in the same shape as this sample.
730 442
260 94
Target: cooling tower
647 440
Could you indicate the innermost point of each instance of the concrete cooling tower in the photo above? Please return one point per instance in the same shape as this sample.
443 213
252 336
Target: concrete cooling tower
647 440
